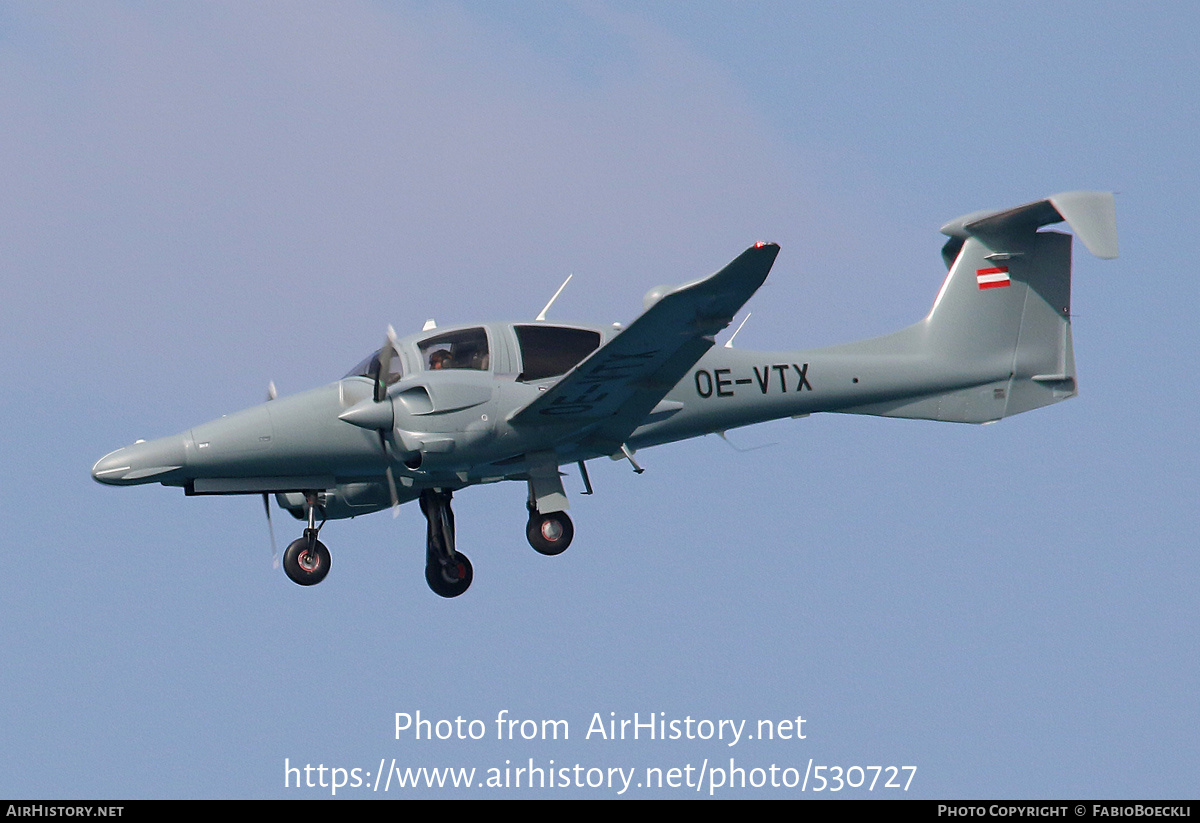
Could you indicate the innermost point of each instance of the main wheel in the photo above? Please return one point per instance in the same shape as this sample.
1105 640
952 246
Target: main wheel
304 564
550 533
449 579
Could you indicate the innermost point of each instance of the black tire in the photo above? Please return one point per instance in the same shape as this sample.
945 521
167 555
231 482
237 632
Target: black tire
550 533
305 566
451 579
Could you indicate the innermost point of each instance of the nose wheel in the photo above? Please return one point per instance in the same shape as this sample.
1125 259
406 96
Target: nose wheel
550 533
306 560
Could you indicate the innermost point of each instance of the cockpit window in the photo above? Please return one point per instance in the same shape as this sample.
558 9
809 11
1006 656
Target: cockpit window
369 367
548 351
462 349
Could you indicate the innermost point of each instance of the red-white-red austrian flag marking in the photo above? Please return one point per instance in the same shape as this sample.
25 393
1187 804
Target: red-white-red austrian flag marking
996 278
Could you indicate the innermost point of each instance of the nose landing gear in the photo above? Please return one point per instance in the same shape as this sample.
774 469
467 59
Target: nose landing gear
306 561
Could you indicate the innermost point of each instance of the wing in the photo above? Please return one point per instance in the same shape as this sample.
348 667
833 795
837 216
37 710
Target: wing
610 393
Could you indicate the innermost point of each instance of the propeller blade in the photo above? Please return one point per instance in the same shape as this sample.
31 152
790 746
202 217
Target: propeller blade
391 477
271 528
395 496
386 353
271 392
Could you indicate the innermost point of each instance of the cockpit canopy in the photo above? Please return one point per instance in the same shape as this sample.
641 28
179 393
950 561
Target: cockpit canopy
545 351
459 349
369 367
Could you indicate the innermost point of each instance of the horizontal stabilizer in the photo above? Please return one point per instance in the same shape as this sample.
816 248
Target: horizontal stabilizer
1092 215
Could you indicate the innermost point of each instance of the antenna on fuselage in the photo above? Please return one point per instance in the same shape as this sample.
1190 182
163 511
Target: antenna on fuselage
542 313
729 342
737 448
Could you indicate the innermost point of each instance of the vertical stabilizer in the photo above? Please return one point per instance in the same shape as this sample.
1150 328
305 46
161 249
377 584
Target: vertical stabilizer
998 338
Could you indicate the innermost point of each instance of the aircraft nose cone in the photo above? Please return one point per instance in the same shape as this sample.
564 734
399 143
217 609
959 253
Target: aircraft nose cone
143 462
109 466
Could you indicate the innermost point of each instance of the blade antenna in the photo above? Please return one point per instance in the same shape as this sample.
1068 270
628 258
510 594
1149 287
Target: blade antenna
737 448
587 481
542 313
625 450
729 342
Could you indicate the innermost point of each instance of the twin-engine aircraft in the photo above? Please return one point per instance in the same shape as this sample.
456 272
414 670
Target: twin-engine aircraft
433 413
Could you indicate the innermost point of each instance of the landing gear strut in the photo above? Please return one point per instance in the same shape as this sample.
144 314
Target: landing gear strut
549 533
447 572
306 561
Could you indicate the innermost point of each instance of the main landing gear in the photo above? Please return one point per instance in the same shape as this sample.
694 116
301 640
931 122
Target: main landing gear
549 529
306 561
549 533
447 572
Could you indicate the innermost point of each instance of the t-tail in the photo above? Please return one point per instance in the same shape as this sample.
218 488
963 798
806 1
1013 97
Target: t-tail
998 339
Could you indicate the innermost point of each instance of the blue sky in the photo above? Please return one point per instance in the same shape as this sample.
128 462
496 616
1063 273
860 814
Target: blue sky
200 199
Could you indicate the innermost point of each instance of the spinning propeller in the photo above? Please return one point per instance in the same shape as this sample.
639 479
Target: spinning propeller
379 414
272 393
385 366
